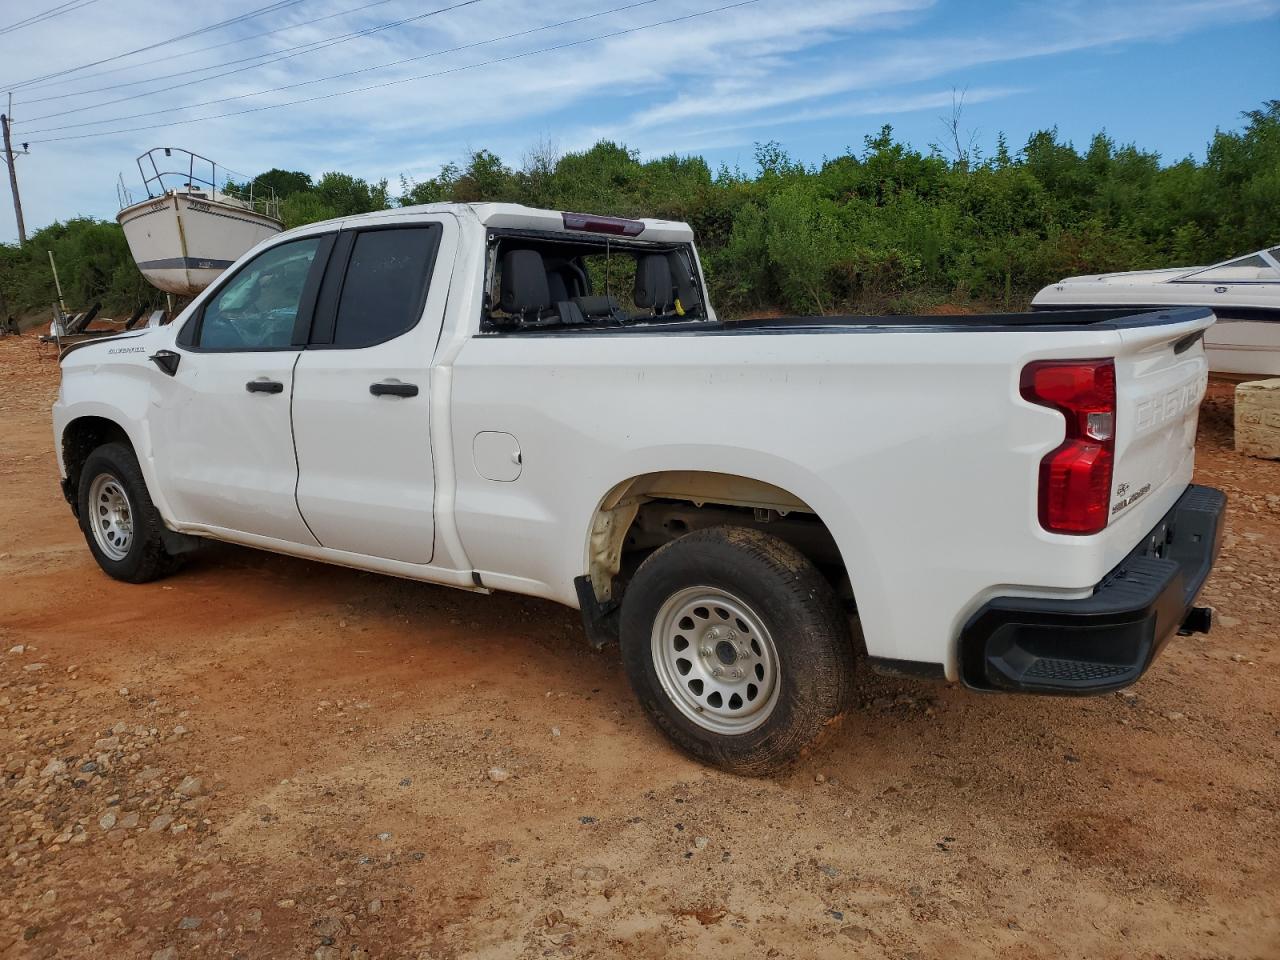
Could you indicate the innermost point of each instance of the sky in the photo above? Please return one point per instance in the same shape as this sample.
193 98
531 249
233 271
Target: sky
708 77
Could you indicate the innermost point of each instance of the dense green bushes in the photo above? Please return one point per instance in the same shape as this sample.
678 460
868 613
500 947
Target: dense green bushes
890 228
93 264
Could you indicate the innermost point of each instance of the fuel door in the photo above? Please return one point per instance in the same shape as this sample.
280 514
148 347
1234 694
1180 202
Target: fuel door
497 456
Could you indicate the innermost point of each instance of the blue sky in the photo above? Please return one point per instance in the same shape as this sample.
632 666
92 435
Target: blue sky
817 76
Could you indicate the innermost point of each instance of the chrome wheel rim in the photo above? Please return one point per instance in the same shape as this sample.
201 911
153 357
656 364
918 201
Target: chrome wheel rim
716 660
110 516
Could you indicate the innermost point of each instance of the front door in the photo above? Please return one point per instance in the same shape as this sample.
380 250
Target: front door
224 443
362 393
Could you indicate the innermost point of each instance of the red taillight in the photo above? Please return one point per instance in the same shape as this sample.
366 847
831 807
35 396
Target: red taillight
1075 479
614 225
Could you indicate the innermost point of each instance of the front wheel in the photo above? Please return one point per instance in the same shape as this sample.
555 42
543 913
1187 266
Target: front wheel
120 523
737 648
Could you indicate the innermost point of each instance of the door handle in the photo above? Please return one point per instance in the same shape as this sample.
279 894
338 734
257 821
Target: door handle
264 386
393 389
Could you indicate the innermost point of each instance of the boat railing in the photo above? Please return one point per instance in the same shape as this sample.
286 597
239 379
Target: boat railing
123 194
166 169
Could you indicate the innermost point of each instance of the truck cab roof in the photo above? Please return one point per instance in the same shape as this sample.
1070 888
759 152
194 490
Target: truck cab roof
516 216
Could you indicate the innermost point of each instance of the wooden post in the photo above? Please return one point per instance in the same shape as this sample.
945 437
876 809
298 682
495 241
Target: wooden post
57 284
13 173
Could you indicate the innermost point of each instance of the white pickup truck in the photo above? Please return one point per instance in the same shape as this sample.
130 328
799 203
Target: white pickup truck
493 397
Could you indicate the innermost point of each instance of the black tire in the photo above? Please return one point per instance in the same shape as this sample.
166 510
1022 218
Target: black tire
145 557
799 613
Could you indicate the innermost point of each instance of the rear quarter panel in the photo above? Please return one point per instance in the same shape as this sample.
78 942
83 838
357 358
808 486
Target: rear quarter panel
913 446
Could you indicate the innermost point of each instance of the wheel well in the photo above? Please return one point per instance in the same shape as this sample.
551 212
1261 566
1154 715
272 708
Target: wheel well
81 437
645 512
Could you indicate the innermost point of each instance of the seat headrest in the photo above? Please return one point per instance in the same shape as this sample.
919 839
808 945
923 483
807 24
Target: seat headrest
597 306
654 286
524 282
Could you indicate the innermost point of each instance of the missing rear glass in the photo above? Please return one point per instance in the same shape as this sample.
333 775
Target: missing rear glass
539 282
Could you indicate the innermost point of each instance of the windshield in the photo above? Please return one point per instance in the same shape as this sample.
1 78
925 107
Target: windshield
537 282
1263 265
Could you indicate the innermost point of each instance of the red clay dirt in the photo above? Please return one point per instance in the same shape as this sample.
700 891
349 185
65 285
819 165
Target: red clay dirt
263 757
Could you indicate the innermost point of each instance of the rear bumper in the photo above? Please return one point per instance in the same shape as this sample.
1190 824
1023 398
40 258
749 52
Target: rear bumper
1107 640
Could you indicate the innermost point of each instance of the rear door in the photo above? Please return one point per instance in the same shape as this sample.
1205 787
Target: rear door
223 447
362 392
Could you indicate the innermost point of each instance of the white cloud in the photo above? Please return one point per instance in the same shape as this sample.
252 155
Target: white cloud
705 82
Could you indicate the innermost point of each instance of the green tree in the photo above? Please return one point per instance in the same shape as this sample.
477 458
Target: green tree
306 207
803 245
285 183
347 196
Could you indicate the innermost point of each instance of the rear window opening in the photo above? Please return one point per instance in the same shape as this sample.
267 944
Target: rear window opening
537 282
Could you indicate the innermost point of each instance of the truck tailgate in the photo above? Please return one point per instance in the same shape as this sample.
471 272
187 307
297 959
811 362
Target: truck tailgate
1161 374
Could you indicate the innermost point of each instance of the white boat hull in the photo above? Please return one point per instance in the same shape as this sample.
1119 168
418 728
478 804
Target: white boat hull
1244 294
1248 347
182 242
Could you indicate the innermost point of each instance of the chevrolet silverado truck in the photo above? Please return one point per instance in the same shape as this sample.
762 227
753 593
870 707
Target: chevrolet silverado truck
493 397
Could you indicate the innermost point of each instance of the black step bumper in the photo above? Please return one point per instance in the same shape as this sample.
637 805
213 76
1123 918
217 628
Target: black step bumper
1105 641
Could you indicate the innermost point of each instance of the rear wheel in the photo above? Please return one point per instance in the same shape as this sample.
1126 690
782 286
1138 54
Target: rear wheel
737 648
119 521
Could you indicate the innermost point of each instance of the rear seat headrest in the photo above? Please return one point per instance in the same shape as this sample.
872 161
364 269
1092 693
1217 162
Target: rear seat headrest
654 286
524 283
598 305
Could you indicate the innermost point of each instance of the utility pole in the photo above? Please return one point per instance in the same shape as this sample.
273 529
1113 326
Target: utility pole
10 159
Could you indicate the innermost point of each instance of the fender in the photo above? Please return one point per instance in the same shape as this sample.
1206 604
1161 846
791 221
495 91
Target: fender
132 395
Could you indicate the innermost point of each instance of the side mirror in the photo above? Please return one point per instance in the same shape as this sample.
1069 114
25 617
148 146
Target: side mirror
166 360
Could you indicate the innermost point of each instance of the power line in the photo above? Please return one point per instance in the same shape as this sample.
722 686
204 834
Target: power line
230 21
157 79
338 76
300 49
69 7
426 76
36 16
192 53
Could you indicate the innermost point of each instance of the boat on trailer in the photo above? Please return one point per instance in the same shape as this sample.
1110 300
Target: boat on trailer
1243 292
189 228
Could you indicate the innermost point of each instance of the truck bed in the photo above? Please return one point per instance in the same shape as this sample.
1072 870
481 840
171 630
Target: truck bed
1103 319
1114 318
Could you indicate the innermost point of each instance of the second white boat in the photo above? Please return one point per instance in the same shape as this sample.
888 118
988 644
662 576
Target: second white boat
1244 293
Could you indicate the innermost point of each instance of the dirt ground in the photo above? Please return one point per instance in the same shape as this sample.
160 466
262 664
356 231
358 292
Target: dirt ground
263 757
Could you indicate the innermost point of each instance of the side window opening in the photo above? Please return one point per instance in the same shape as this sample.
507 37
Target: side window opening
385 287
258 308
551 282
